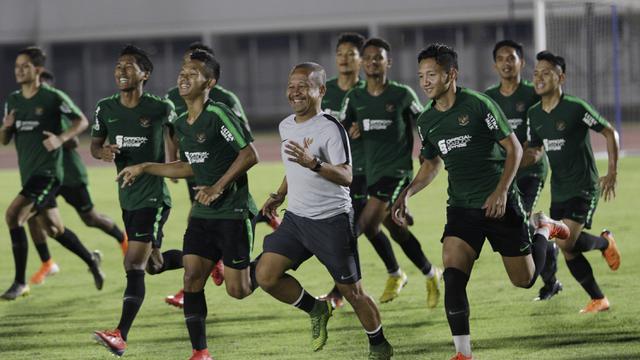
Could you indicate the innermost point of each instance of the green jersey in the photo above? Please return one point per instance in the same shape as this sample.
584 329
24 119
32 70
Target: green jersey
211 144
138 133
467 137
565 136
515 108
41 112
217 94
75 173
386 123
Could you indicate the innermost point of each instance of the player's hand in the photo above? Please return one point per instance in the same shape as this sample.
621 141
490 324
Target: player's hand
495 204
354 131
9 119
400 208
207 194
109 152
270 207
608 186
129 174
52 141
300 153
72 143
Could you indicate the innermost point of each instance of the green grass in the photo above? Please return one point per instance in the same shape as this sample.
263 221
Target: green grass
57 319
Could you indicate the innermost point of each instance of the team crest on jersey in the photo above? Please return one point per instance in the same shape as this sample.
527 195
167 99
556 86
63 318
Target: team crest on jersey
521 107
145 122
201 138
561 125
463 120
390 107
39 111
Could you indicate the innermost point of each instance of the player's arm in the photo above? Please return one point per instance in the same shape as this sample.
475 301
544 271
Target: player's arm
609 181
496 203
274 200
78 120
533 151
429 169
7 129
176 169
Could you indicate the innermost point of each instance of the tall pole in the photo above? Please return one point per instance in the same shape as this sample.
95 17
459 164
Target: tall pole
615 34
539 26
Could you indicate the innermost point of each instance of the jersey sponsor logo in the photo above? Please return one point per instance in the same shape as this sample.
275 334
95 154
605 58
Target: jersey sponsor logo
463 120
520 106
390 107
144 121
197 157
375 124
130 141
201 138
226 134
561 125
553 144
39 111
515 123
492 124
447 145
27 125
589 120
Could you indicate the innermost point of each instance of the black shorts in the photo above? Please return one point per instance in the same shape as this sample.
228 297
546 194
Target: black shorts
331 240
388 188
578 209
530 188
358 193
77 196
145 225
192 193
509 235
228 239
42 191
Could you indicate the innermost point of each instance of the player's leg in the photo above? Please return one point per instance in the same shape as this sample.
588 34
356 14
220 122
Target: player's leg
236 241
196 273
16 215
39 238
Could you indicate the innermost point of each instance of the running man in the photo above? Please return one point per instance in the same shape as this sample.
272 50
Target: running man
469 132
33 116
319 217
559 125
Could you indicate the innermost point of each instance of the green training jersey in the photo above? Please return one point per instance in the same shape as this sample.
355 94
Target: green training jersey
467 137
217 94
515 108
41 112
75 173
211 144
564 132
138 133
386 123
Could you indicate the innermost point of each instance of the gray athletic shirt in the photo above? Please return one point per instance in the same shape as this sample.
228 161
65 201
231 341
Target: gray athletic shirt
309 194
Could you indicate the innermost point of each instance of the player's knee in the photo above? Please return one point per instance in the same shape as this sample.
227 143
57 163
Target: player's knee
11 218
90 219
53 231
522 282
192 280
238 291
266 279
353 295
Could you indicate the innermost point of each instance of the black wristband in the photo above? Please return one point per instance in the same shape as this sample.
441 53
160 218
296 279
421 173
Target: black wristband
318 165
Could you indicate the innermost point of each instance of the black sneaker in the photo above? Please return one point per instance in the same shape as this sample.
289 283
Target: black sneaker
15 290
98 275
548 291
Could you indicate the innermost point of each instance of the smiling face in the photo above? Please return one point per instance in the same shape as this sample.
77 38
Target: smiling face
304 93
508 63
376 61
128 73
25 71
434 79
547 78
192 81
348 58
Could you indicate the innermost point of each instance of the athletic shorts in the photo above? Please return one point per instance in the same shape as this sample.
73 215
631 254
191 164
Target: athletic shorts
388 188
578 209
145 225
530 188
508 235
228 239
42 191
358 193
331 240
77 196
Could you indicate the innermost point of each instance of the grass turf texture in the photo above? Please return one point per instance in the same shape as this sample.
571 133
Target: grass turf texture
56 321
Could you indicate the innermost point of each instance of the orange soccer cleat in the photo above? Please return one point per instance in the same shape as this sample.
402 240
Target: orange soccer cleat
557 229
47 268
217 273
112 340
176 300
596 305
611 254
200 355
461 356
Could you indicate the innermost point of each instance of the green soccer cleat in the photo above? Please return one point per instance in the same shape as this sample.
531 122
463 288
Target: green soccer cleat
382 351
319 319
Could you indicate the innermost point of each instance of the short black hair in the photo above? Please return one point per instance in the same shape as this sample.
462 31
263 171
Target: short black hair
211 65
444 55
47 76
352 38
554 59
200 46
35 54
377 42
509 43
141 56
316 69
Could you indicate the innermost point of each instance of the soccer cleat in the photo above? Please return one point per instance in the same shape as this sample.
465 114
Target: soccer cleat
273 222
433 290
334 297
557 229
319 319
596 305
15 290
217 273
47 268
124 245
112 340
98 275
393 287
382 351
461 356
200 355
548 291
176 300
611 254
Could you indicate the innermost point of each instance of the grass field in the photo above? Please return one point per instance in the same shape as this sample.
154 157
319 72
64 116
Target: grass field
57 319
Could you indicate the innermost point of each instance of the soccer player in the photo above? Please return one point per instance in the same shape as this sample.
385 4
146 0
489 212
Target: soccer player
319 217
559 124
75 192
33 117
134 123
216 150
469 132
382 114
515 96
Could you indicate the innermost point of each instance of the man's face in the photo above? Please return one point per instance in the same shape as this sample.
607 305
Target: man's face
508 64
434 80
191 80
128 73
376 61
303 93
547 78
348 58
25 71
